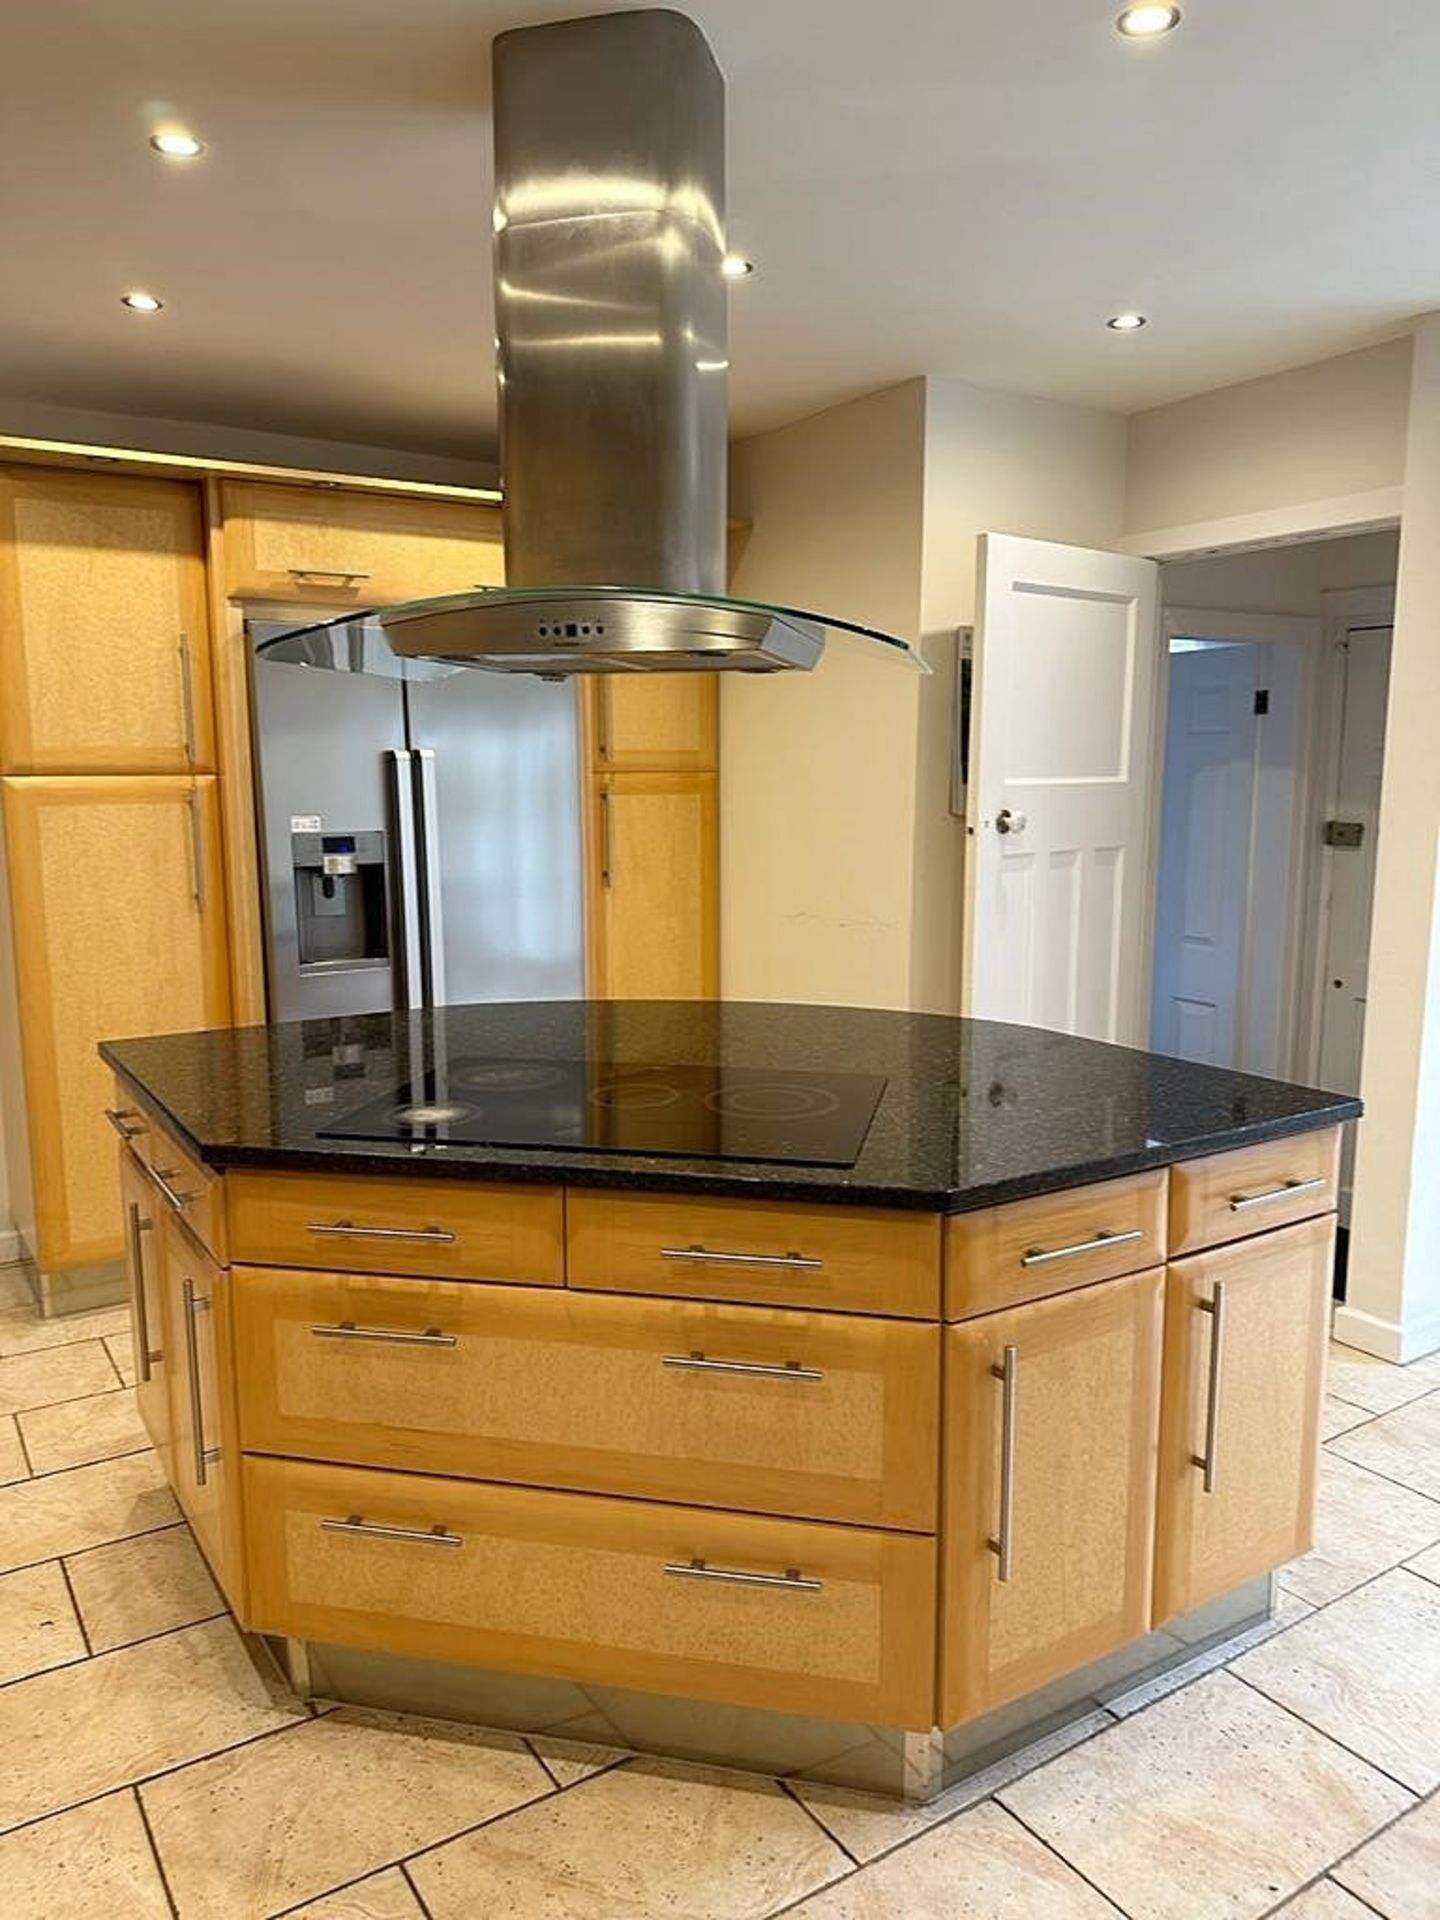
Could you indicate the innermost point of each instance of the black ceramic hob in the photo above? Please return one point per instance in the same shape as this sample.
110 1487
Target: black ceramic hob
697 1112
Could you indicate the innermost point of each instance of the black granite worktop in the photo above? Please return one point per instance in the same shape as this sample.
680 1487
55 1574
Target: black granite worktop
973 1111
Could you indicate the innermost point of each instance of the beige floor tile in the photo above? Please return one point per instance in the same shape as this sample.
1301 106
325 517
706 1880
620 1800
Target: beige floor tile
1428 1564
1398 1873
13 1464
93 1861
23 1331
1212 1805
1289 1608
100 1427
1367 1382
135 1588
1324 1901
1404 1445
1367 1670
58 1373
1338 1416
121 1349
38 1628
867 1825
983 1866
1365 1525
85 1730
650 1841
63 1513
384 1896
572 1760
359 1790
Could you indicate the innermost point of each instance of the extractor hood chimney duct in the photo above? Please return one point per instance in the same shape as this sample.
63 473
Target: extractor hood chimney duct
610 303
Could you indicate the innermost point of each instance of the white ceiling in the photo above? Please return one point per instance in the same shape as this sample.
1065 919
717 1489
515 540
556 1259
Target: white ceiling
961 187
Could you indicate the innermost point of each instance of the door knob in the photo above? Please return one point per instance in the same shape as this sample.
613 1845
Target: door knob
1008 822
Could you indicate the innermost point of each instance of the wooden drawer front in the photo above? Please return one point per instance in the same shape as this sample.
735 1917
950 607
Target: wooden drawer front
571 1390
1027 1249
354 549
186 1188
1227 1196
1264 1351
431 1227
861 1260
577 1586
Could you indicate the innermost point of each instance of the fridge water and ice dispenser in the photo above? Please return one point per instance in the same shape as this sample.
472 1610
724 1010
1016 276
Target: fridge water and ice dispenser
341 913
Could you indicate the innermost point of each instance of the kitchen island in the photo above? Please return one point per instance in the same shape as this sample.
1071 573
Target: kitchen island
839 1392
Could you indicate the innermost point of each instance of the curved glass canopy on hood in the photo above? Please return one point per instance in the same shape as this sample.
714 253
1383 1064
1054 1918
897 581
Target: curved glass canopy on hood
559 631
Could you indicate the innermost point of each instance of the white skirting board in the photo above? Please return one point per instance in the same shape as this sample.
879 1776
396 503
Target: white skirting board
1386 1339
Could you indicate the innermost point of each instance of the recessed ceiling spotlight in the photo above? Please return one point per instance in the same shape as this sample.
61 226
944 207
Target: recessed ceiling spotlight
1126 322
1146 21
735 266
141 302
177 145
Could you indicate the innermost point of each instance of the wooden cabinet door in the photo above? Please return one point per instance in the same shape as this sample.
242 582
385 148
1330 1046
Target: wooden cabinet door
1064 1459
653 907
119 929
655 722
204 1458
1245 1336
144 1260
354 549
104 639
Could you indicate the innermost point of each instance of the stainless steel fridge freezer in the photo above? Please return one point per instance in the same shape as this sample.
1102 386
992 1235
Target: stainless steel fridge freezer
419 838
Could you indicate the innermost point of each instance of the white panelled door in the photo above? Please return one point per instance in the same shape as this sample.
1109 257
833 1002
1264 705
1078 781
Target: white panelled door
1060 794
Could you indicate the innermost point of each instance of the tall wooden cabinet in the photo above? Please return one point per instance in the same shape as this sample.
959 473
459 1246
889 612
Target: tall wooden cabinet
113 851
652 837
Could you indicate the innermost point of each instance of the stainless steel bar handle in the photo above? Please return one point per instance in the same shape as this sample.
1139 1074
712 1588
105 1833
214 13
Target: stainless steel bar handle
197 847
407 878
195 1303
117 1116
1002 1545
347 1330
764 1370
436 1536
605 879
704 1256
791 1581
187 699
139 1227
1240 1201
1038 1256
602 718
343 574
179 1201
1209 1461
353 1230
432 892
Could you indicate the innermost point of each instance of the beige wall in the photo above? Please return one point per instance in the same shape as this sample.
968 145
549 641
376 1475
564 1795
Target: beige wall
1004 463
1332 429
1394 1291
840 861
818 770
39 420
1281 579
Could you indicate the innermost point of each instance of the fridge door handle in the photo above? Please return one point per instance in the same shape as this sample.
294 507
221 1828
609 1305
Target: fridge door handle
406 871
431 890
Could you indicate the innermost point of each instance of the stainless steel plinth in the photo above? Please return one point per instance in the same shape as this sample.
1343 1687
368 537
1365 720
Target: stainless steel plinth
886 1760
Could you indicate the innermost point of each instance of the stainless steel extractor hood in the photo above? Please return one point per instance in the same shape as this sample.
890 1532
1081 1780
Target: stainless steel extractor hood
611 328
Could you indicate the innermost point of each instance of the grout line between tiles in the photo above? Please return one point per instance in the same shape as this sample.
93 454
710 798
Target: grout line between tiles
170 1526
100 1460
1325 1734
1056 1854
79 1616
139 1534
69 1399
155 1854
1339 1861
409 1880
810 1814
1404 1485
540 1759
24 1450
